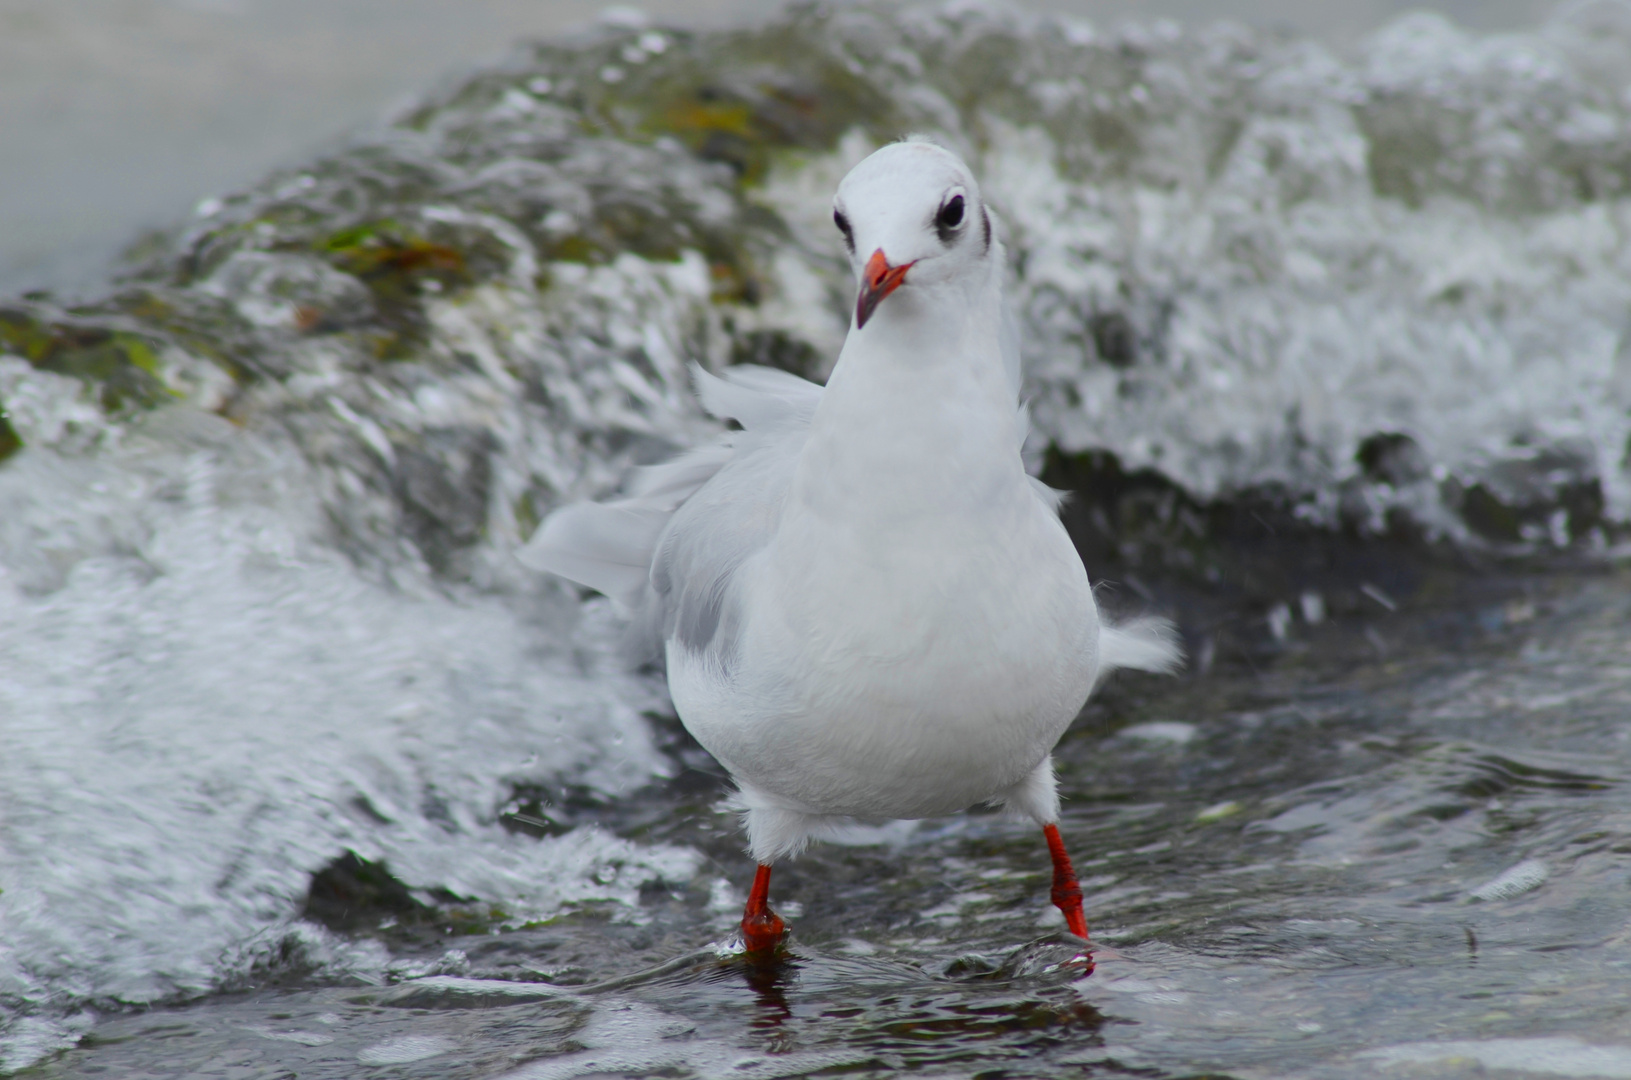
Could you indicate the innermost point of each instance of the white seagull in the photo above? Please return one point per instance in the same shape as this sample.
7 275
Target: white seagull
867 608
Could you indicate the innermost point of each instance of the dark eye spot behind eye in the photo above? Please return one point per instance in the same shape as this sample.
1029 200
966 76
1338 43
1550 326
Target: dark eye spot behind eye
949 217
842 222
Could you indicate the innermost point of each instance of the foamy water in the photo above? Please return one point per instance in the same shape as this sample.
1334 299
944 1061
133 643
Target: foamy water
1242 262
203 705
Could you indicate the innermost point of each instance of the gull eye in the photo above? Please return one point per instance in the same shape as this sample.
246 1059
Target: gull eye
949 217
842 222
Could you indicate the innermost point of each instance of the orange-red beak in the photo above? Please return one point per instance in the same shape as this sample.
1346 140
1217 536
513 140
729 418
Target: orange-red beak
878 280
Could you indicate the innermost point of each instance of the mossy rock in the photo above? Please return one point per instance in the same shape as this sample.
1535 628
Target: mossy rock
487 306
122 364
10 442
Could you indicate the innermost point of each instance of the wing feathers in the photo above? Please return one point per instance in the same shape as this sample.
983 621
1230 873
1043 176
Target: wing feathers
606 546
610 546
758 398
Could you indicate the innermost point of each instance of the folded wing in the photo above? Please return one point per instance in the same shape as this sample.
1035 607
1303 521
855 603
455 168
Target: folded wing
668 549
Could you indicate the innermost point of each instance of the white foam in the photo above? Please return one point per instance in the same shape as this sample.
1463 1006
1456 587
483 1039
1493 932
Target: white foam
400 1051
1168 731
203 705
1527 876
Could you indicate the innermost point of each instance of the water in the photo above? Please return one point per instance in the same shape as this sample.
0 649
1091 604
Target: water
300 772
1311 869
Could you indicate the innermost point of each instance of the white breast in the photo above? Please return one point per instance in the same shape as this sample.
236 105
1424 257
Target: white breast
923 706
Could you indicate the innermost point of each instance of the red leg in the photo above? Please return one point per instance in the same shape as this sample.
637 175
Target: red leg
1067 892
763 928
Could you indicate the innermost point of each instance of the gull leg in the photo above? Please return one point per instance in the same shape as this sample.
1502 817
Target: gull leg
763 928
1067 892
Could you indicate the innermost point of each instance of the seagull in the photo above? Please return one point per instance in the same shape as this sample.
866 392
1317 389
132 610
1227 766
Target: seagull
866 607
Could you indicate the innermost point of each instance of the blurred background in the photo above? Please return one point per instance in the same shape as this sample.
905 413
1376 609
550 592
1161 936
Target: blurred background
119 115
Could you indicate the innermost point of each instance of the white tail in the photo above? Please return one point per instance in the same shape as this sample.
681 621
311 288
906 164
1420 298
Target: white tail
1148 644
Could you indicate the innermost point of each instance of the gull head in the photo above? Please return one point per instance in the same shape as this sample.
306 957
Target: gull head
911 216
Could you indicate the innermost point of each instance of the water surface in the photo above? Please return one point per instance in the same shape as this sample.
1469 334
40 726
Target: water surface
1404 845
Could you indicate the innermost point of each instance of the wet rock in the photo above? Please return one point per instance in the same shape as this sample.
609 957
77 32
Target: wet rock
1062 958
10 443
120 361
1242 264
1113 339
352 892
290 292
1393 458
1540 496
443 481
778 349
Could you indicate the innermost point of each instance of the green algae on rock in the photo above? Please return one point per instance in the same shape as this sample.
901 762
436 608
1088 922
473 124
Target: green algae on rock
9 442
121 363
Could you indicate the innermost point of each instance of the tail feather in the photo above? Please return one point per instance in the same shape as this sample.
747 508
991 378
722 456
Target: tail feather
1148 644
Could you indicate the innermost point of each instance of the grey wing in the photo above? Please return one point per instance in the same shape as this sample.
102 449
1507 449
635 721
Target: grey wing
705 544
608 546
668 550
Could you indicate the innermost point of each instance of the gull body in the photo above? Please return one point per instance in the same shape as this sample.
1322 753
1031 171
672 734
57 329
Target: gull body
866 606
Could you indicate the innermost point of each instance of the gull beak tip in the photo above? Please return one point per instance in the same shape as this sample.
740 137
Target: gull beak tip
878 280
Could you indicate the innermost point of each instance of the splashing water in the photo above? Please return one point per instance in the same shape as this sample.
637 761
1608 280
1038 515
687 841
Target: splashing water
203 706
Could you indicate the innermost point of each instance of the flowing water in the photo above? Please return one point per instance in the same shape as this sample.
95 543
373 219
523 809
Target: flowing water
301 774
